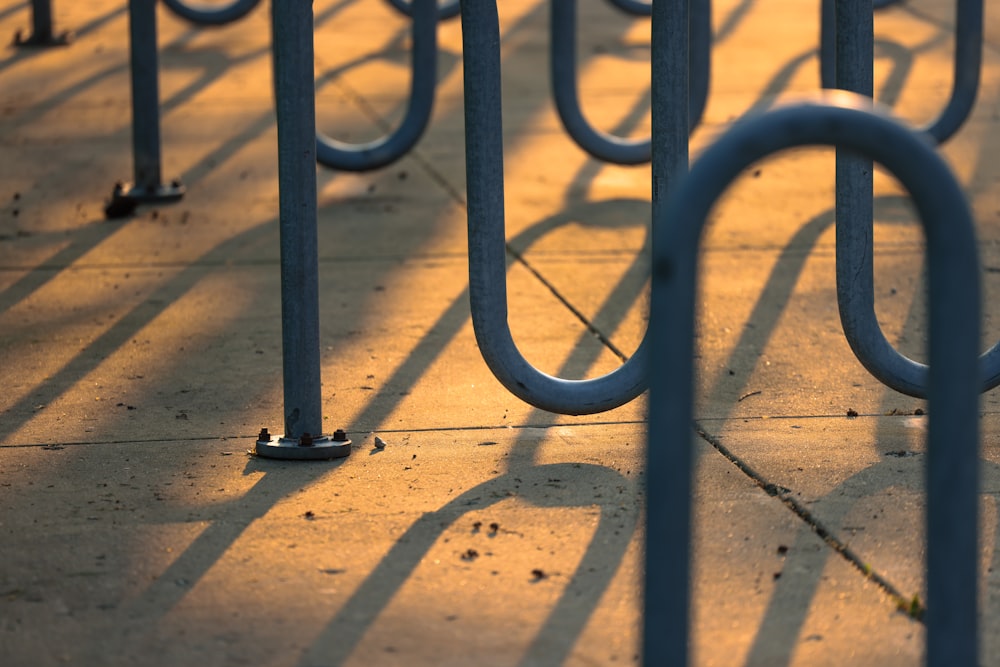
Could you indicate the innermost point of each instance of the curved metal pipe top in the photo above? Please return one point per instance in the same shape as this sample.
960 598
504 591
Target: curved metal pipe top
848 121
565 90
212 13
634 7
446 10
419 107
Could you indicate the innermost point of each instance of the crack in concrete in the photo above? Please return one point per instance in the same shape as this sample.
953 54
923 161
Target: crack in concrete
911 605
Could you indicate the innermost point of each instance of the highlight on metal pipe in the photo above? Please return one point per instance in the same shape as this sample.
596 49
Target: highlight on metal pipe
565 85
420 104
42 31
966 63
295 108
850 122
446 10
211 13
147 186
485 194
854 229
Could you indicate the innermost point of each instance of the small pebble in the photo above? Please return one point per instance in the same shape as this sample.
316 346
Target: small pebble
379 443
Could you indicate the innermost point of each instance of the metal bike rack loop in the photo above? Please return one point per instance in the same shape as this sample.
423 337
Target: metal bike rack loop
564 79
420 104
211 13
966 66
484 178
854 227
446 10
42 32
148 186
951 473
295 107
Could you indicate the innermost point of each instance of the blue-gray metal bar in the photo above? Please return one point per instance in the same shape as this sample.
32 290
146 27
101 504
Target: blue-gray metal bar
485 193
211 13
565 91
634 7
42 33
854 215
448 9
148 186
420 104
951 473
966 66
295 109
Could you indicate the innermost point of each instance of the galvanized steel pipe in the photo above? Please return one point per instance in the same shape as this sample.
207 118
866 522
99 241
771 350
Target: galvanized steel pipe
850 123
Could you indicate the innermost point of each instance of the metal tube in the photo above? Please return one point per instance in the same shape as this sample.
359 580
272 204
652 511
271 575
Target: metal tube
42 31
447 10
211 14
41 20
484 183
966 64
145 93
565 89
292 22
854 215
148 187
420 104
849 122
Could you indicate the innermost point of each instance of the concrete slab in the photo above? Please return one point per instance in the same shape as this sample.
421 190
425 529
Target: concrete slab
520 546
141 356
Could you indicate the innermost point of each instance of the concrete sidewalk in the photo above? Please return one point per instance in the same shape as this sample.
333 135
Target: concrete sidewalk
142 356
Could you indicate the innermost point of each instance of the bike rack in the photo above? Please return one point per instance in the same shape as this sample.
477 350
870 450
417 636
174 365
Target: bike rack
211 14
967 63
848 122
420 104
148 186
854 215
42 33
484 178
564 79
295 106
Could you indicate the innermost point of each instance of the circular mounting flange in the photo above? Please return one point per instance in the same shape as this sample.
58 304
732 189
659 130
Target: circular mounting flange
127 197
321 448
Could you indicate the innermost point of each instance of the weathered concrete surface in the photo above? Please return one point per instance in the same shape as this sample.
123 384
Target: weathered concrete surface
140 357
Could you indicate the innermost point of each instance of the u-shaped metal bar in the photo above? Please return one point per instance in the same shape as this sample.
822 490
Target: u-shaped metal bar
420 104
634 7
211 14
565 89
446 10
854 213
849 122
966 66
485 194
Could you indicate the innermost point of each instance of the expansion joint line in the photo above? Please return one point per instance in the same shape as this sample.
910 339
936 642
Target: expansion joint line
382 124
912 606
597 333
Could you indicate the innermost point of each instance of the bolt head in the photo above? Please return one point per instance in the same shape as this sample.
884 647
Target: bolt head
339 435
306 440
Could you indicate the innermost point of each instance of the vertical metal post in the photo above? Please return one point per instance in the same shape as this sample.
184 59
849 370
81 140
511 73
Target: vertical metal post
147 187
668 496
854 50
42 33
295 107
